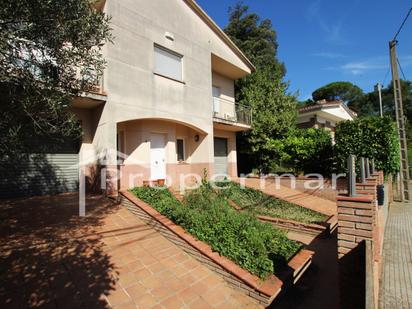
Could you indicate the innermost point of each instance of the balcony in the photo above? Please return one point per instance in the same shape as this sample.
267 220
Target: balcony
231 116
92 98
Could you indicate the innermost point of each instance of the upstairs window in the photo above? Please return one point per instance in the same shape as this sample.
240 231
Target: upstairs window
180 150
168 63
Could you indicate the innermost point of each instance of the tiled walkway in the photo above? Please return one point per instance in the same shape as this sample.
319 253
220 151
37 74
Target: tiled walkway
396 282
306 200
50 257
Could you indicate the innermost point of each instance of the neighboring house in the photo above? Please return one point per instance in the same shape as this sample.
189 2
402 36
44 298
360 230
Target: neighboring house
324 114
167 99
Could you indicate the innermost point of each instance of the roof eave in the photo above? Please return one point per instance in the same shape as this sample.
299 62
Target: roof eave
209 21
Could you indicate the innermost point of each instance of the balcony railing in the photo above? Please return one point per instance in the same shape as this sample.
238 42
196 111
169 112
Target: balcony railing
95 83
231 112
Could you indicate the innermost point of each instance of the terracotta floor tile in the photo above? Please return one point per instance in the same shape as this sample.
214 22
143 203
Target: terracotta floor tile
156 267
188 296
188 279
212 281
118 297
146 301
200 303
175 284
152 282
179 270
135 266
173 303
112 258
147 260
161 293
127 280
199 288
216 296
136 291
142 273
129 305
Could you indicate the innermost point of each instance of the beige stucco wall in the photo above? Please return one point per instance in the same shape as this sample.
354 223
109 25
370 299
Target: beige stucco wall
163 105
226 85
137 138
137 141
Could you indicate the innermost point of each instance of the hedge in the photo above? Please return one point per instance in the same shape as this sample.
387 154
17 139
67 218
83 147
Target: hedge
370 137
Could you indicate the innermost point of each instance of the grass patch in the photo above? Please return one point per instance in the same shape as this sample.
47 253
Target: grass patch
258 247
256 202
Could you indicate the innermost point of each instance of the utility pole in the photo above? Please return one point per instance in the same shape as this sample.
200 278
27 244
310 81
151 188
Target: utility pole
400 121
378 87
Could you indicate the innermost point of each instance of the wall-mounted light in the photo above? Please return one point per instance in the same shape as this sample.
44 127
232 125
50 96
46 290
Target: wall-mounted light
196 138
169 36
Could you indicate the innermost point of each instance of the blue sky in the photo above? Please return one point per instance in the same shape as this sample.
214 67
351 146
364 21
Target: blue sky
321 41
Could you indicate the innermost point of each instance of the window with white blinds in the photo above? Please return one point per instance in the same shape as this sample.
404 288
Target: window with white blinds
168 63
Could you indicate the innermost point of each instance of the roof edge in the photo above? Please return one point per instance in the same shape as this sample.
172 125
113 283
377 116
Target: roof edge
220 33
311 108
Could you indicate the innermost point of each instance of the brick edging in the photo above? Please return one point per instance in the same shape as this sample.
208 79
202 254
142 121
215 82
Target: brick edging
270 287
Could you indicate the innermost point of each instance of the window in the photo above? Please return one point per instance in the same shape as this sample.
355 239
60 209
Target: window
180 150
168 63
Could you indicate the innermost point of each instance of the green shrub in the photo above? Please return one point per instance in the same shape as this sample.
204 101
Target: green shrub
259 203
258 247
370 137
306 150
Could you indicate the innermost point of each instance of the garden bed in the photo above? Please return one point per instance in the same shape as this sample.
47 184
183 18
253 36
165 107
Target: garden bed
258 248
259 203
279 213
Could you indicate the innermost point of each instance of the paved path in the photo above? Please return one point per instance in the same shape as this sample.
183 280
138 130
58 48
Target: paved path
396 280
52 258
303 199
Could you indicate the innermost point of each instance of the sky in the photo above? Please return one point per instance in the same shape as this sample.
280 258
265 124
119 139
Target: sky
322 41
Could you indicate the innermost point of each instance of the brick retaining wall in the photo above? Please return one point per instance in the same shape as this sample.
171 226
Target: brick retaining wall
360 221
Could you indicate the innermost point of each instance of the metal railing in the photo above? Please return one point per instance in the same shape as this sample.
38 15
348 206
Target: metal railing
230 111
95 83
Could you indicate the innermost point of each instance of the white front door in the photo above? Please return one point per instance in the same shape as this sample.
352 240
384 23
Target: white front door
157 157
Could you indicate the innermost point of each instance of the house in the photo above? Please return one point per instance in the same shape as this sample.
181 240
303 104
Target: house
166 101
324 114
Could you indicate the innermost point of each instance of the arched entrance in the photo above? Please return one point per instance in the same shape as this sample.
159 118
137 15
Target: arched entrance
160 150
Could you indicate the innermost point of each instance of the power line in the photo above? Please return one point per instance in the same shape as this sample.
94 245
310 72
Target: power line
400 67
386 76
403 23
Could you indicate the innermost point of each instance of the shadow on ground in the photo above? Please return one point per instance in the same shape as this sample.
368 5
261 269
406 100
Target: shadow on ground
318 288
50 257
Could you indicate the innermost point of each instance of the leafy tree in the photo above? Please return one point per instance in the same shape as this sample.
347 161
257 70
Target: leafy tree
306 150
344 91
50 51
256 38
274 110
307 102
370 137
368 105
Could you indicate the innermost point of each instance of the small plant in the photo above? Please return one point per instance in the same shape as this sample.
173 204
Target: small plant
204 177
